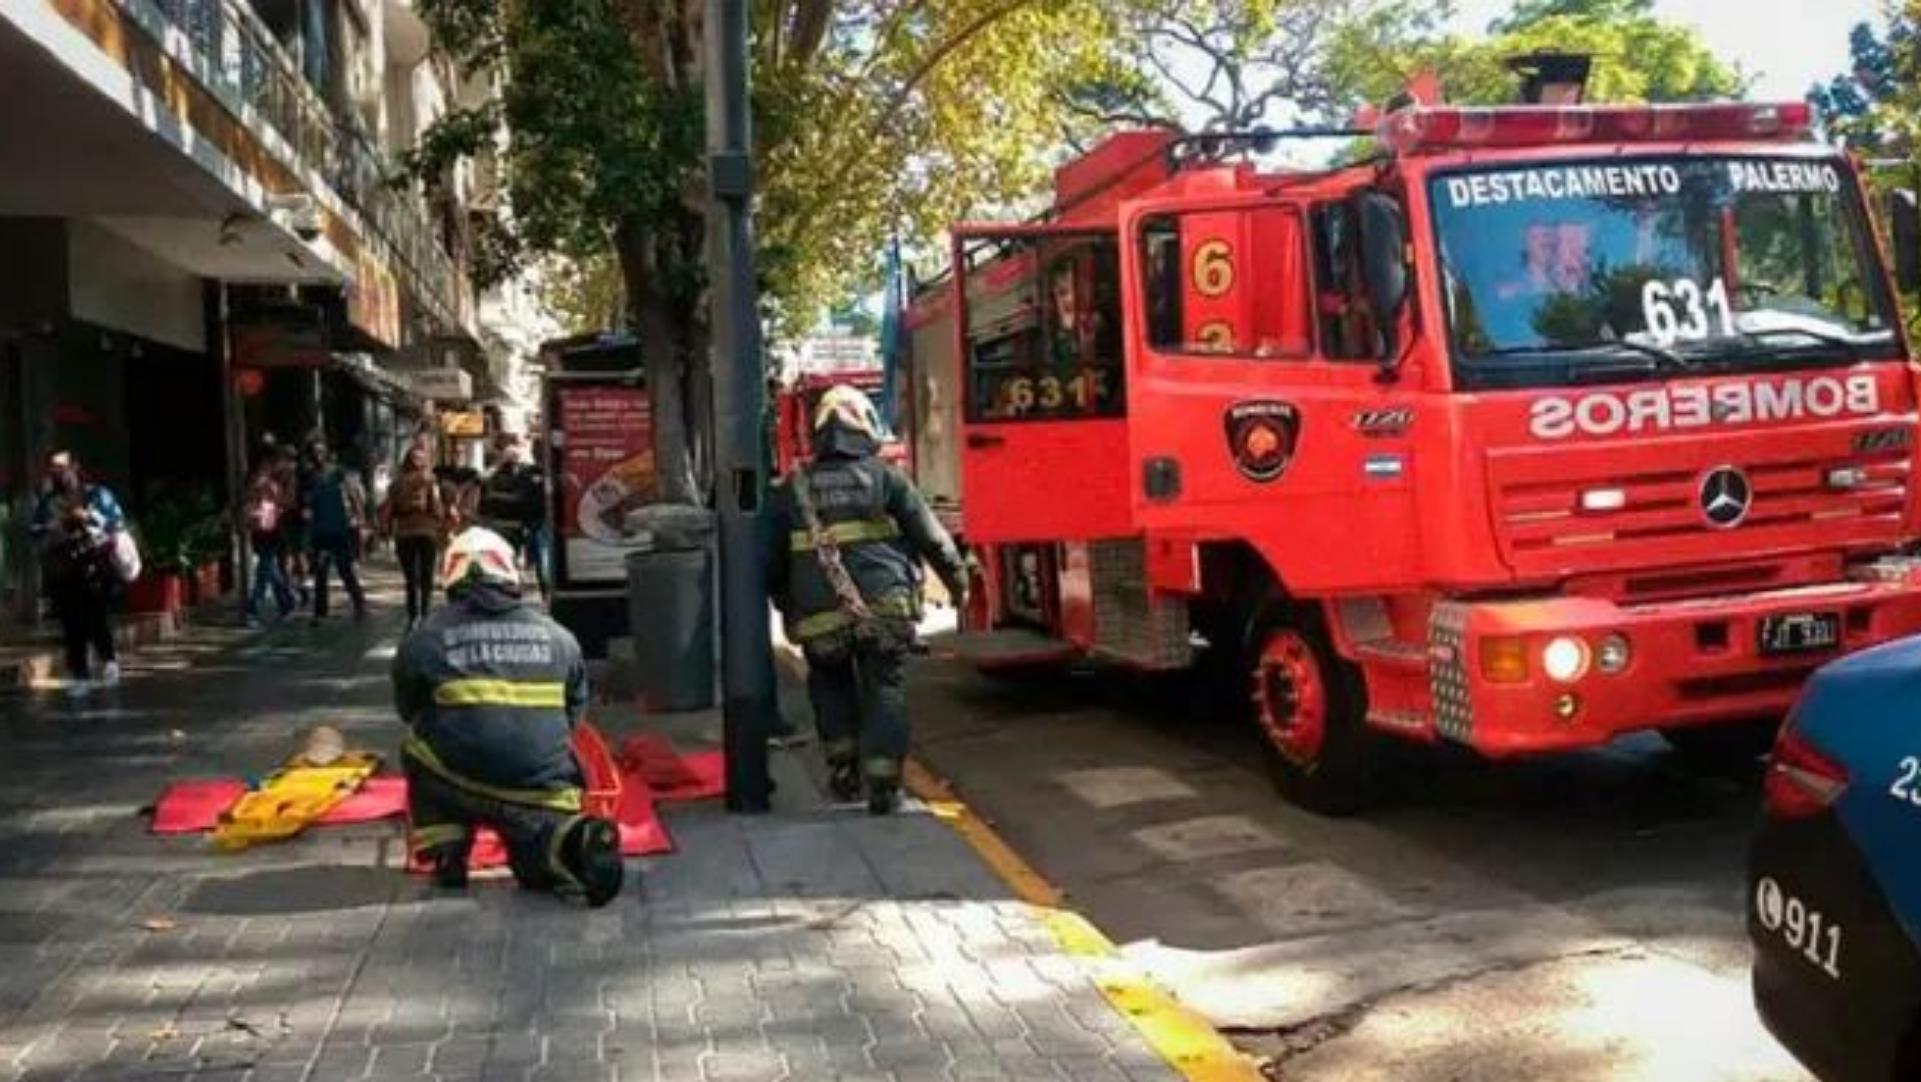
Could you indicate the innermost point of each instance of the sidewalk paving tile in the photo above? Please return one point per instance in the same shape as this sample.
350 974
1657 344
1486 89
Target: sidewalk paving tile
810 944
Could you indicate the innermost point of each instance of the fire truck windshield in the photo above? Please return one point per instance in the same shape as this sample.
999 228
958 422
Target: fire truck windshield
1628 268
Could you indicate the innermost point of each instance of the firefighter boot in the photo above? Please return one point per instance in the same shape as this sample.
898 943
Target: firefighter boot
843 780
590 851
450 866
883 797
883 786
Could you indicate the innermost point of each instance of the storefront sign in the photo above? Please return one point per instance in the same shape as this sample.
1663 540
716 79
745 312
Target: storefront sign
604 443
273 345
468 424
442 384
373 301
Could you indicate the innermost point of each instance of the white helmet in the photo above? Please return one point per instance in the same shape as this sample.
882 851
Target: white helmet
851 408
479 555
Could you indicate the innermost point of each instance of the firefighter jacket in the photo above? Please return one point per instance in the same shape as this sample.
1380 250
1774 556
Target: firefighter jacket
883 530
492 689
512 496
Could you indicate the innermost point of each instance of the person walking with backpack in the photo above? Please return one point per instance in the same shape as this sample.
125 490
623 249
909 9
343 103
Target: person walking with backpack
336 513
414 516
75 526
265 514
846 579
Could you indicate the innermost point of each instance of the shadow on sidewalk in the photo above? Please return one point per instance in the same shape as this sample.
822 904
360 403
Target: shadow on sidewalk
304 889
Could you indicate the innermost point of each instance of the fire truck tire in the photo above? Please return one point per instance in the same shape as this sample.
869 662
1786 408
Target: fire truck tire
1311 704
1731 744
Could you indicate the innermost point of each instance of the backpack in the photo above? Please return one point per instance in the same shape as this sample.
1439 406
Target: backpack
263 511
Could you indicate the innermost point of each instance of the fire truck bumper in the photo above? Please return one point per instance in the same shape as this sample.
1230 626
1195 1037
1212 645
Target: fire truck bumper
1516 677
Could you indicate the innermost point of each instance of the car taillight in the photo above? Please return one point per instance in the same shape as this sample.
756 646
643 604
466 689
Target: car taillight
1801 781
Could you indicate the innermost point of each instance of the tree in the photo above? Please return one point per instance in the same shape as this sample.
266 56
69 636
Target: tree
1864 107
1216 65
1221 65
870 116
1637 57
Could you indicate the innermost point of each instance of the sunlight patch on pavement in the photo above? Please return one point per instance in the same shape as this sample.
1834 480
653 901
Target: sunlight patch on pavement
1118 786
1208 836
1309 898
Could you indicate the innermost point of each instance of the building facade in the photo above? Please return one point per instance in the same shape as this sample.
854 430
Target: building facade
204 242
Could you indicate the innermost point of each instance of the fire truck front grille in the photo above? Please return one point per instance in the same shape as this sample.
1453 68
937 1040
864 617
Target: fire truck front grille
1543 523
1447 671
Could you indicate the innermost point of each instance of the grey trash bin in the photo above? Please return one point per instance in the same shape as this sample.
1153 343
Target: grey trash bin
670 606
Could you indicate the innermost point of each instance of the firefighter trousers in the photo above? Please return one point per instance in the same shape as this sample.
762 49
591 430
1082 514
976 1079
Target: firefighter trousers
445 813
858 687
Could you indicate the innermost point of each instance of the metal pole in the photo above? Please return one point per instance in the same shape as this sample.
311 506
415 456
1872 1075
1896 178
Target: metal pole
738 391
233 420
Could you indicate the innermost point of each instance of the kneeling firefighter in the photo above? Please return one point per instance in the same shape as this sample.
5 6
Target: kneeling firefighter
492 689
845 571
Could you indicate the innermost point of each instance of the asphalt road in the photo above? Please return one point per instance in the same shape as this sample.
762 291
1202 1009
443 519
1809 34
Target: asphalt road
1576 918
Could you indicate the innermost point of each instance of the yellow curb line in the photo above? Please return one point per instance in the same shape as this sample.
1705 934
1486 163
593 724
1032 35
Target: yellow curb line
1184 1039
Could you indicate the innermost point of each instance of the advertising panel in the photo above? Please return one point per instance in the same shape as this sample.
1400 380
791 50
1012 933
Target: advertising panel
604 445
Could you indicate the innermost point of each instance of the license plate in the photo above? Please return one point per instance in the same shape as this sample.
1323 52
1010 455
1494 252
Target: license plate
1798 632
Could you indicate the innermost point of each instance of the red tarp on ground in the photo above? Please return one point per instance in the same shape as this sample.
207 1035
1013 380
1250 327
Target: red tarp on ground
650 770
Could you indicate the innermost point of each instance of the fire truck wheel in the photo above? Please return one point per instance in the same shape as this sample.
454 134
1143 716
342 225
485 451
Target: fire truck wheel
1309 703
1732 744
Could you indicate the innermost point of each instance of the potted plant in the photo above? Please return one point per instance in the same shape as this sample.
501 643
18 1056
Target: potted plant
207 545
173 530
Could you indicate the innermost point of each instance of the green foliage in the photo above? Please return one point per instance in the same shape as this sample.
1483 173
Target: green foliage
1637 57
1871 107
582 292
181 528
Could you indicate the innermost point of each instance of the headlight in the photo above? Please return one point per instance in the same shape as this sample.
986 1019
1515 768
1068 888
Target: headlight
1564 659
1613 654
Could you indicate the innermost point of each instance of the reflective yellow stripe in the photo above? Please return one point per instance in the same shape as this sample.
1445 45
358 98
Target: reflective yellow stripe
813 627
501 693
560 800
849 533
431 837
900 606
558 866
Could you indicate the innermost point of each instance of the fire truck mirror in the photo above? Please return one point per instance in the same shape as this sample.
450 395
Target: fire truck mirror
1383 265
1904 229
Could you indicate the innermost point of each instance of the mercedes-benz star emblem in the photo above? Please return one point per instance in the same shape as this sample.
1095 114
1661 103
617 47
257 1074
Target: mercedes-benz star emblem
1726 496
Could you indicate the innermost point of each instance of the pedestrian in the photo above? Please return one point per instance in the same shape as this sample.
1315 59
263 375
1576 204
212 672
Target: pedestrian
539 542
377 490
336 515
74 527
266 513
510 495
847 583
414 516
492 689
298 471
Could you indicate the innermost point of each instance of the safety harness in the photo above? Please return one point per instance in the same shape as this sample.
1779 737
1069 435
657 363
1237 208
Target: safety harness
853 610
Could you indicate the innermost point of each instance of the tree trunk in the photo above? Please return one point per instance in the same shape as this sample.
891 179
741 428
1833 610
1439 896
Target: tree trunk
663 354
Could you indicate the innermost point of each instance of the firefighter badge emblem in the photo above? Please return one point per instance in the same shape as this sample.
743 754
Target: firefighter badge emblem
1261 436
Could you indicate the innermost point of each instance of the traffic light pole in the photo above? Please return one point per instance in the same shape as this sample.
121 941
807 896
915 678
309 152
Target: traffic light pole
739 390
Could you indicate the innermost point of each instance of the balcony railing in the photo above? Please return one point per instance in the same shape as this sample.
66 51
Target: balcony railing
237 57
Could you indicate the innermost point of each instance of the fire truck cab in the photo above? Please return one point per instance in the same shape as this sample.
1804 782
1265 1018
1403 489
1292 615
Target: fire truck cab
1539 425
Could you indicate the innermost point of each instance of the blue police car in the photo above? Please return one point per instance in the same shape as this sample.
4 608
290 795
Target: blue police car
1834 884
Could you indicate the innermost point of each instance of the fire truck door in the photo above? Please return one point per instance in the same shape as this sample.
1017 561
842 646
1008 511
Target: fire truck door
1044 417
1255 401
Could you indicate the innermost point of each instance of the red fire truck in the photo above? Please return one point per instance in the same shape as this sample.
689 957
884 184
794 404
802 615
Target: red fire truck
1535 426
794 415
